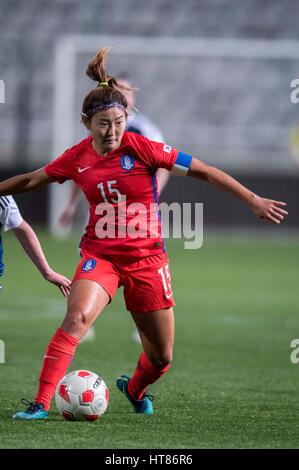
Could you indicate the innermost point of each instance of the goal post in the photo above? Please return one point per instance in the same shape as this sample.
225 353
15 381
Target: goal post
72 53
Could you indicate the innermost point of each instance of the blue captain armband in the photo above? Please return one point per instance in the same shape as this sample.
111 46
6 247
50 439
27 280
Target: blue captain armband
182 164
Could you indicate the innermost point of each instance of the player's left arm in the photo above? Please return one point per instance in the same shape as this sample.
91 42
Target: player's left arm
31 245
262 207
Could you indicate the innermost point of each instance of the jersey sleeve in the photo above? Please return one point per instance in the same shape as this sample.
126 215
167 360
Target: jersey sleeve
160 155
10 217
61 169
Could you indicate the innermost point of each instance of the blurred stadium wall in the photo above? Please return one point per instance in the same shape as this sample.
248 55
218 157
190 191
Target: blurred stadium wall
234 113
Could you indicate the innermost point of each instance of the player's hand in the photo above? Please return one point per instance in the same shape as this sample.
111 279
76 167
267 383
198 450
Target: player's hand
269 209
62 282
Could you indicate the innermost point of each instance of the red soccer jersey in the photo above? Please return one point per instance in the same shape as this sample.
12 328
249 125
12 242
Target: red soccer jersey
121 189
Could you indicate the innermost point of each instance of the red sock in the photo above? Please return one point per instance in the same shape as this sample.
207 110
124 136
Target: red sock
145 374
57 359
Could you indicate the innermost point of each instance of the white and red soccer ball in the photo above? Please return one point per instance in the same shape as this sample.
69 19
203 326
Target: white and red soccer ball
82 395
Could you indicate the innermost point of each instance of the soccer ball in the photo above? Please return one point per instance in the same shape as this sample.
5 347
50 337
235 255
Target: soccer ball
82 395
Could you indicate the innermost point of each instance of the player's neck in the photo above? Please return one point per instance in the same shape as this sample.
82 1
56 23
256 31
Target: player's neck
99 149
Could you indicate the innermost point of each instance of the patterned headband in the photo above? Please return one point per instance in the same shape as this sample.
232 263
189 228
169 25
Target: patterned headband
101 107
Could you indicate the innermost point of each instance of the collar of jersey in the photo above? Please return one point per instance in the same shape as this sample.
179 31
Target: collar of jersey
110 154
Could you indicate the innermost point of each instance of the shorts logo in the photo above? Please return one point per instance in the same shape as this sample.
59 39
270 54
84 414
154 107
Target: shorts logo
127 162
167 148
89 265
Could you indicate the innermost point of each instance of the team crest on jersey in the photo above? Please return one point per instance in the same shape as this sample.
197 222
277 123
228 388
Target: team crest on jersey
89 265
167 148
127 162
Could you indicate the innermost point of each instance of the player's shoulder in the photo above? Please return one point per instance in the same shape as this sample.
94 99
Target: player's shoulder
140 147
135 141
78 148
131 137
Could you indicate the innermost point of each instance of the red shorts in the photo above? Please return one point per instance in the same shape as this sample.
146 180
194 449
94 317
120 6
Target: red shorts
147 283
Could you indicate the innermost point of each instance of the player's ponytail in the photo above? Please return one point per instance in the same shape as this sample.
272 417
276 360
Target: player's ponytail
108 91
96 69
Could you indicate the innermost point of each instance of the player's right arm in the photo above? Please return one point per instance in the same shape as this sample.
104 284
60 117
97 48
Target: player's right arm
60 170
163 156
25 182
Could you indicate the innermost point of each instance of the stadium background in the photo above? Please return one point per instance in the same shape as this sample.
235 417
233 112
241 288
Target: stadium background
239 290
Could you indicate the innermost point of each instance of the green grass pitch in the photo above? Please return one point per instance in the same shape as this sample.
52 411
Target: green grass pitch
231 385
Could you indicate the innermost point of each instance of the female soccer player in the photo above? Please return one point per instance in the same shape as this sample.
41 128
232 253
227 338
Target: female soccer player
11 219
116 171
139 124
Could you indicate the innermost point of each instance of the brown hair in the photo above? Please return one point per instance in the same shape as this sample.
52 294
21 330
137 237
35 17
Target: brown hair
103 95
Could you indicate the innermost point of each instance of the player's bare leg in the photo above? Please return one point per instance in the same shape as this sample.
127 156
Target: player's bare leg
86 301
156 331
157 335
89 335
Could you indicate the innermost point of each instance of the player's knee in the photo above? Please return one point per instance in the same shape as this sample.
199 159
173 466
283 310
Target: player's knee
162 360
76 319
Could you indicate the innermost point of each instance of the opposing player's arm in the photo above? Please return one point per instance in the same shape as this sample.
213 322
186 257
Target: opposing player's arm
25 182
31 245
262 207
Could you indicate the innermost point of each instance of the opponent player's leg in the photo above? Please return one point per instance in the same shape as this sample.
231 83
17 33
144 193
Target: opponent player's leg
86 301
157 335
